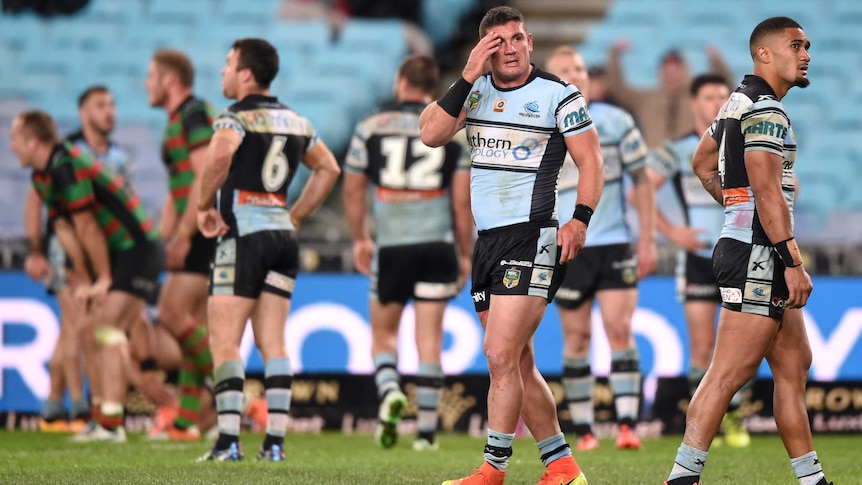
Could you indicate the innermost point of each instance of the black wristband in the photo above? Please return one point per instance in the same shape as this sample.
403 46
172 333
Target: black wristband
453 100
784 253
583 213
148 365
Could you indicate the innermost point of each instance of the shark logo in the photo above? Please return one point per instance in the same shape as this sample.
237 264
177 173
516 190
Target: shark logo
532 107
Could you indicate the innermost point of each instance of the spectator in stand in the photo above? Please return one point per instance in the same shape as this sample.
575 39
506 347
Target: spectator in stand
662 112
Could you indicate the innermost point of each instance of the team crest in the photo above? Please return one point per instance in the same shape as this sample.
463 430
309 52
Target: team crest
473 100
630 275
512 278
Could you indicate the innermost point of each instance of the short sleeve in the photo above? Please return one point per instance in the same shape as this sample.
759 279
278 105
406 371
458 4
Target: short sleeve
228 120
633 149
663 161
764 127
357 155
571 113
198 125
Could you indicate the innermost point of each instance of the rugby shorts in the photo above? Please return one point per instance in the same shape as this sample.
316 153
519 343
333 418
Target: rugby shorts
750 278
427 271
257 262
606 267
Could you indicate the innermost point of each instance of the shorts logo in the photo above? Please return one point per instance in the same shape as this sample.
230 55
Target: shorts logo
226 252
731 295
282 282
778 302
479 296
757 292
499 105
758 265
541 278
512 278
544 249
473 100
630 276
515 262
223 275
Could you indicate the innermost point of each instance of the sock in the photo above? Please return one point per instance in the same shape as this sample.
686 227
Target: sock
579 382
80 409
191 387
429 383
695 375
553 448
498 449
111 416
807 468
625 381
96 411
195 345
386 373
739 397
278 377
52 410
688 466
230 378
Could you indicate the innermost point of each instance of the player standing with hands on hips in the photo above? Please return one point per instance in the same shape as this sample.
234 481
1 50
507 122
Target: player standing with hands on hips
520 123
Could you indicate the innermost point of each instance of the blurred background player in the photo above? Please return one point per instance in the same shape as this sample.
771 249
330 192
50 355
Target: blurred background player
182 305
607 269
661 112
696 238
521 250
97 114
118 238
257 146
418 260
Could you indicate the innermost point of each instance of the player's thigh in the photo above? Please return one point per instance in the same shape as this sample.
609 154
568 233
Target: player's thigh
181 293
119 309
700 319
790 354
512 321
135 274
742 341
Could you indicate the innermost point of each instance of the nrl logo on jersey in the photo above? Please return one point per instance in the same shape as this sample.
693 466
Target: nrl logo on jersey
473 100
512 278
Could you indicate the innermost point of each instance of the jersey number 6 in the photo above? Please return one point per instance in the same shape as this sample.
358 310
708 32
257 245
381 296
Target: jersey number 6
275 166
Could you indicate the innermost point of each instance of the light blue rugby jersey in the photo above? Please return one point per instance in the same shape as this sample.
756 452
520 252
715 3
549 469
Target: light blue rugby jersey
673 162
516 141
116 158
623 150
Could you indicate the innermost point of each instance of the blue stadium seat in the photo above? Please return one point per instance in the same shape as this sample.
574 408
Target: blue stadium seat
221 33
359 64
139 35
625 13
310 36
386 37
77 32
258 12
328 119
17 30
179 12
441 18
112 11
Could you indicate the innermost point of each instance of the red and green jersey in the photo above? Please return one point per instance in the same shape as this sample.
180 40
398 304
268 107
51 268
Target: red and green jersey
189 127
73 182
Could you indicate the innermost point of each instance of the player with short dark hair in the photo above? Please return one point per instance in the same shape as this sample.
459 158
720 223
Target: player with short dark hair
119 242
520 123
608 268
256 149
412 181
182 304
745 161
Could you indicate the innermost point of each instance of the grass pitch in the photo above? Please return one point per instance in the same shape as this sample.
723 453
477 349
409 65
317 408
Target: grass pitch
332 458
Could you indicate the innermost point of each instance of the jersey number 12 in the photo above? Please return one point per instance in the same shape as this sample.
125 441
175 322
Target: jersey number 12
422 174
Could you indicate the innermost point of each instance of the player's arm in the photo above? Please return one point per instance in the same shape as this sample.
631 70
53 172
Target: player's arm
462 215
324 174
186 225
223 145
587 155
168 218
72 247
355 183
644 193
705 165
93 241
765 171
36 265
441 120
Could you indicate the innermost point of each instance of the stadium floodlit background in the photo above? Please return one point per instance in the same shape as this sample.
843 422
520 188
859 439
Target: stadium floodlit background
338 60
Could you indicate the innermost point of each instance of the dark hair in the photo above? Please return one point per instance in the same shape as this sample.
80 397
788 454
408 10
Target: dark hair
178 63
260 57
39 124
95 89
421 72
770 26
500 16
704 80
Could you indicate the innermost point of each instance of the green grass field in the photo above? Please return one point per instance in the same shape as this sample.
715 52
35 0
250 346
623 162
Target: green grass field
330 458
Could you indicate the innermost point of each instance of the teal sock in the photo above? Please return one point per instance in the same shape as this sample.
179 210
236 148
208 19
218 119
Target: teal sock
498 449
625 382
429 383
807 468
386 373
278 376
579 382
688 465
52 409
553 448
230 379
80 409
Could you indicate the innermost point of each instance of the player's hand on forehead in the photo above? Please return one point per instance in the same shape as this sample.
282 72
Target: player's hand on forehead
485 48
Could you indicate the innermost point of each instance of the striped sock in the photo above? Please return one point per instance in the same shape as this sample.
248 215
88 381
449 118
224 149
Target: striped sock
191 387
807 468
230 378
579 383
498 449
625 381
429 383
386 373
695 375
278 377
553 448
52 409
80 409
195 345
111 416
688 466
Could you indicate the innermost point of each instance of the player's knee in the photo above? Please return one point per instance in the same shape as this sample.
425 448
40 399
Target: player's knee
577 343
501 359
